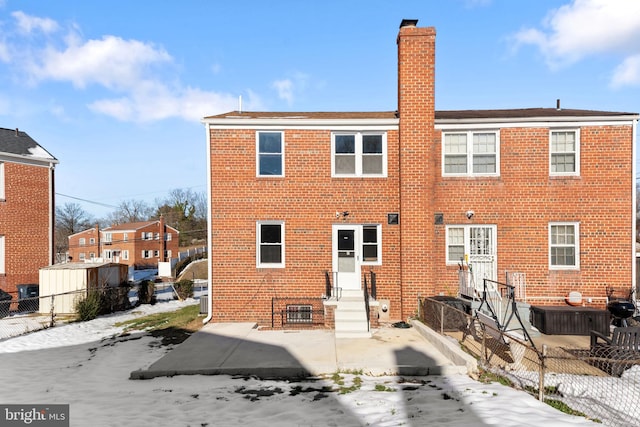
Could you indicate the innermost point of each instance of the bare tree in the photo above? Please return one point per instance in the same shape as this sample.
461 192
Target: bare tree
130 211
70 219
185 211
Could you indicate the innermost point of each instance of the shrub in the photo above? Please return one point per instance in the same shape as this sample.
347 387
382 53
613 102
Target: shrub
90 307
184 288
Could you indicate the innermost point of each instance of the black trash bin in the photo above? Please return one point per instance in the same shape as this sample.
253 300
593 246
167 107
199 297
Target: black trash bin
5 303
454 320
28 300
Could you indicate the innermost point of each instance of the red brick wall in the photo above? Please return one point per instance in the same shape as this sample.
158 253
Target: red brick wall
25 218
416 105
306 200
524 199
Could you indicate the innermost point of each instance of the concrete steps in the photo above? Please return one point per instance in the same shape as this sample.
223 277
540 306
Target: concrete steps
351 316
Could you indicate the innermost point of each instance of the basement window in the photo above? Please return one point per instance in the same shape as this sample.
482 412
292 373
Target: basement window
299 314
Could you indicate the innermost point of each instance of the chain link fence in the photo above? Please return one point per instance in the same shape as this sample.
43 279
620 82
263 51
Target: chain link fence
598 382
20 315
34 313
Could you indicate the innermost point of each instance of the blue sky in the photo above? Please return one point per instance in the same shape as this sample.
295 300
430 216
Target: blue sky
115 90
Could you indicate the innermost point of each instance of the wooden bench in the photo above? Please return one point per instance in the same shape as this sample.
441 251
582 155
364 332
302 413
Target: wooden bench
617 353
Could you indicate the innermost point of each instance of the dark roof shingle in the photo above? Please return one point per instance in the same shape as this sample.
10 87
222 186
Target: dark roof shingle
18 143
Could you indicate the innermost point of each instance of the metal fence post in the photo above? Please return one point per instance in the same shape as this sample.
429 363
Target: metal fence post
441 319
51 324
541 373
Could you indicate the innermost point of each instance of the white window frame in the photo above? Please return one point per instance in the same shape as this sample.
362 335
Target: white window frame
359 155
378 228
108 238
2 195
258 153
125 237
466 240
125 254
168 237
2 255
282 245
576 152
575 246
156 236
82 241
469 153
167 253
81 256
92 241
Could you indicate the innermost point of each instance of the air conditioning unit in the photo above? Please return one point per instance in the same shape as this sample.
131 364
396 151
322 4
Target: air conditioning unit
204 304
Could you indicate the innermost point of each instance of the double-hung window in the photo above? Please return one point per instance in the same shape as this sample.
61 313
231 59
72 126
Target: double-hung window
564 246
371 244
270 244
82 241
270 153
471 153
564 153
359 154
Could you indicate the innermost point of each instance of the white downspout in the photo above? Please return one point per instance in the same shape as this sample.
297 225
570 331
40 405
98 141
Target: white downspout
634 273
209 228
52 213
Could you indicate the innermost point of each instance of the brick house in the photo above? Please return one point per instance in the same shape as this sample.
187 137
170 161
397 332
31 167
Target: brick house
138 244
27 209
305 205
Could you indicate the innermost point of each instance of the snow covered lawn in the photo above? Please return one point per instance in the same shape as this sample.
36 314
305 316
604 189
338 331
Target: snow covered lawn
87 365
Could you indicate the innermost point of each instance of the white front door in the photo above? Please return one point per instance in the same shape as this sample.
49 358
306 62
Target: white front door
346 256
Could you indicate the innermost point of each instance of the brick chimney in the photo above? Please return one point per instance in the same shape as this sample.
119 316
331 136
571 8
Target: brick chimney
416 110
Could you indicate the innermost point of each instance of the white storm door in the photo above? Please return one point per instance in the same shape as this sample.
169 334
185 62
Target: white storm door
482 253
346 256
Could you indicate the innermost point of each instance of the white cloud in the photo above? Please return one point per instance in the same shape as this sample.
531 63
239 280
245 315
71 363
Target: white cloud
586 28
28 24
134 72
288 88
627 73
285 89
111 62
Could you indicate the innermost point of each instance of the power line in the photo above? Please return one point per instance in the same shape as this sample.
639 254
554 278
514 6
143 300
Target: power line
87 201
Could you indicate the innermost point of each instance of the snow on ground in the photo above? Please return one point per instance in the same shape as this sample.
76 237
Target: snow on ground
87 365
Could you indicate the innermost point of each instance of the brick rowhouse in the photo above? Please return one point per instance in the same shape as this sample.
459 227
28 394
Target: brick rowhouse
544 192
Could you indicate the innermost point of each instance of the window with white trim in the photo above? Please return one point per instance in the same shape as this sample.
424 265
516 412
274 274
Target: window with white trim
270 153
270 244
92 241
81 256
471 153
1 180
359 154
125 237
125 254
108 238
167 254
167 237
371 244
147 254
2 255
564 248
477 241
564 152
82 241
156 254
156 236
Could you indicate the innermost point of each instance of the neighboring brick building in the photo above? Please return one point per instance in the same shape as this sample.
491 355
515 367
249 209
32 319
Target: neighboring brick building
26 209
408 194
138 244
